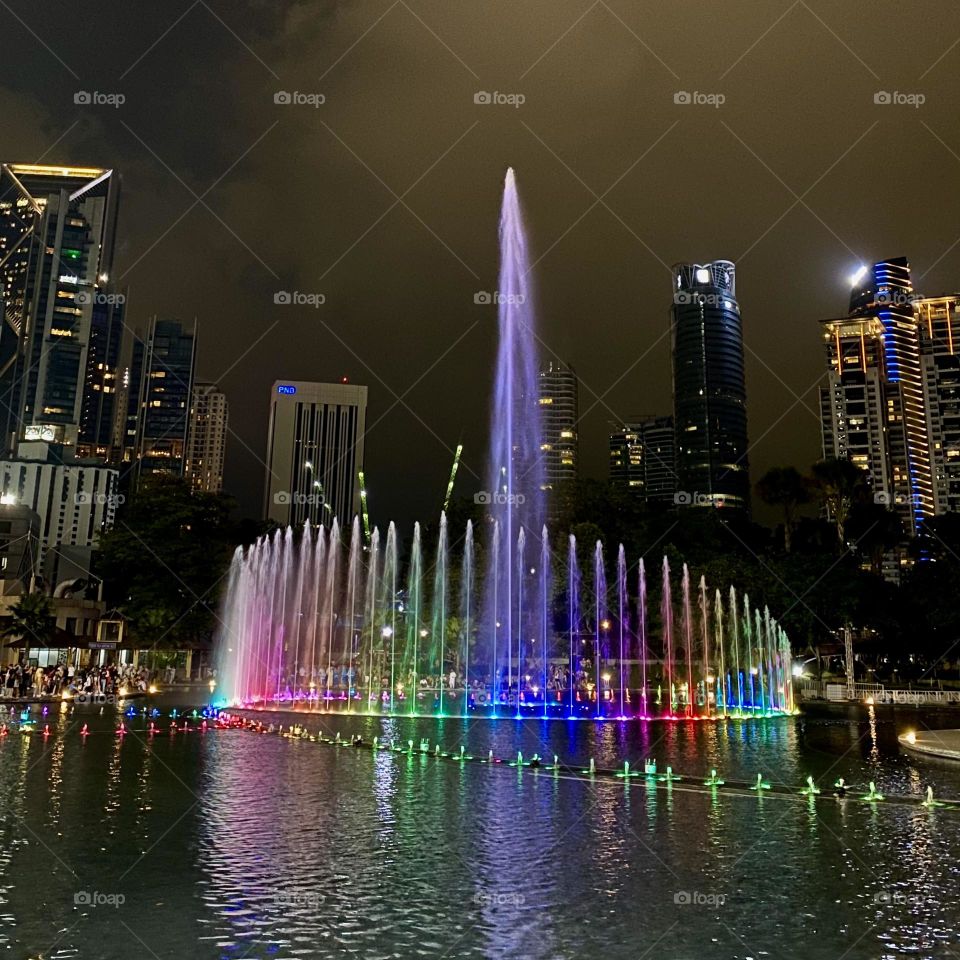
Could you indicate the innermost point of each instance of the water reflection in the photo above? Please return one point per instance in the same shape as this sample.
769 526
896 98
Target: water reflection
231 845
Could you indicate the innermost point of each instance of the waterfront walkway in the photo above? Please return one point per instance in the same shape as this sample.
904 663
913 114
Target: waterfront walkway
933 743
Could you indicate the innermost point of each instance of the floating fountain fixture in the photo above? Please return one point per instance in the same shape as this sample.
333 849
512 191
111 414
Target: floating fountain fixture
761 784
929 802
811 789
713 780
872 795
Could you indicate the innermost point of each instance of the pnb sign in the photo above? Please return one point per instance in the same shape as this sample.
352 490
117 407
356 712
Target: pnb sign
287 388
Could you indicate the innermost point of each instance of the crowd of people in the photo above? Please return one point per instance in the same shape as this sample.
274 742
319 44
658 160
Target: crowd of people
340 681
20 681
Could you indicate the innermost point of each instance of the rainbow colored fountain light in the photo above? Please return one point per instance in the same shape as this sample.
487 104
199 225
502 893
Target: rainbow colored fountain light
334 619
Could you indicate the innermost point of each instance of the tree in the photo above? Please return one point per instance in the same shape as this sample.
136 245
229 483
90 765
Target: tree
164 562
787 488
31 619
840 484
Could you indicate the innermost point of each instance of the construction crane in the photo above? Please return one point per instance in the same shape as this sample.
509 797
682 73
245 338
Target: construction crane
453 477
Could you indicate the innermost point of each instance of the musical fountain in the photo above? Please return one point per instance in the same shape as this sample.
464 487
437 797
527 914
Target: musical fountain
324 618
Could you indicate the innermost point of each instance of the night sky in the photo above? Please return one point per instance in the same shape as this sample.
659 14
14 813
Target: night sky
385 198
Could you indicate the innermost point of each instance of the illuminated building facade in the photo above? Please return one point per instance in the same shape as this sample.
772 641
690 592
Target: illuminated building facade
560 412
315 452
208 438
642 458
159 397
938 320
61 315
709 390
873 408
75 503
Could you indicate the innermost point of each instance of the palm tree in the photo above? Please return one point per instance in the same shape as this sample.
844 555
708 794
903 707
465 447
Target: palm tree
787 488
840 484
31 620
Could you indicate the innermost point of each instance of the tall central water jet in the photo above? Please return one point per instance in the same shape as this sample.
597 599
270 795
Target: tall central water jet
514 494
324 620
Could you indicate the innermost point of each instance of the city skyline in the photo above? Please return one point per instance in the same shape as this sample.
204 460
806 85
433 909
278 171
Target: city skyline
800 205
107 342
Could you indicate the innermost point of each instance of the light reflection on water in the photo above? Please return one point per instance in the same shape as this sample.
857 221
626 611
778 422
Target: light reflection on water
232 845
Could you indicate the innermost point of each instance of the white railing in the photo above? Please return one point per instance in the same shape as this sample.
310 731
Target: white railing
864 692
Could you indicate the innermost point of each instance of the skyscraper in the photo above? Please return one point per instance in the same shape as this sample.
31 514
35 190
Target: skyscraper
159 395
939 327
315 452
57 234
208 438
709 392
642 458
873 408
559 409
99 408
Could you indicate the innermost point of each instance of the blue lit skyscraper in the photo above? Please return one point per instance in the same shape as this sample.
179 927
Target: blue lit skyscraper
873 409
709 391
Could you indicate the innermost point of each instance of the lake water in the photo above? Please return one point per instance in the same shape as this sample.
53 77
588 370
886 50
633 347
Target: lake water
227 844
